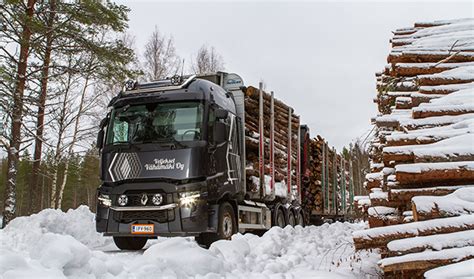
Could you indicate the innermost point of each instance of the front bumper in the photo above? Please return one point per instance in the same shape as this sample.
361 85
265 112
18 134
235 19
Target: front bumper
171 219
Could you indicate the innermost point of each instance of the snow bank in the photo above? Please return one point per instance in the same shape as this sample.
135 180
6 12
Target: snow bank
54 244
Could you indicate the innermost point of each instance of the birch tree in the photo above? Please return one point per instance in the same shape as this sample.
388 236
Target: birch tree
207 60
160 58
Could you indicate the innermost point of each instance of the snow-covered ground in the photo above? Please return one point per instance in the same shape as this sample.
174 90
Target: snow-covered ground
54 244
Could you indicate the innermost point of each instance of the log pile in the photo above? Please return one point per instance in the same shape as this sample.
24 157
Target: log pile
423 149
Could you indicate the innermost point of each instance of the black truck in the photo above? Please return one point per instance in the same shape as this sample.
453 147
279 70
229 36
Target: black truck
173 164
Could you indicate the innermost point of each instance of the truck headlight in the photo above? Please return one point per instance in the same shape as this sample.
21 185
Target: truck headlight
157 199
104 200
122 200
188 199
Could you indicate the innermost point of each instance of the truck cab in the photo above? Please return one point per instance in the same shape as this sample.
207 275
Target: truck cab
173 162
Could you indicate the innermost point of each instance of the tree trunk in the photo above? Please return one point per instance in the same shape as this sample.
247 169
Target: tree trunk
57 155
35 192
17 111
73 142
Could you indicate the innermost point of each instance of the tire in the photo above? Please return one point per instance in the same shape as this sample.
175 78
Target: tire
226 226
280 218
291 218
300 219
130 243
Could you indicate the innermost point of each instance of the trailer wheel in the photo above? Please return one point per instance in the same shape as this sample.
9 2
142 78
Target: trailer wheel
291 218
280 218
130 243
300 218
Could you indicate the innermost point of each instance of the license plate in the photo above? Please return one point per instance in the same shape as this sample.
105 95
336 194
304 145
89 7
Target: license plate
143 229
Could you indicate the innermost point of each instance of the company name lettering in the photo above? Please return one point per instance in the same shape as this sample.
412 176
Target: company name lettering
164 164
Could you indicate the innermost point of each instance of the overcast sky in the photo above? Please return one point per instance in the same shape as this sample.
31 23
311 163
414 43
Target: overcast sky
319 57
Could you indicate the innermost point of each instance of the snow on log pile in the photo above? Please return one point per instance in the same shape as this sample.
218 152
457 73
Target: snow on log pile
422 192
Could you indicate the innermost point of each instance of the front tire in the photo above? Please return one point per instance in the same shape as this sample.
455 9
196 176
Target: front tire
130 243
226 226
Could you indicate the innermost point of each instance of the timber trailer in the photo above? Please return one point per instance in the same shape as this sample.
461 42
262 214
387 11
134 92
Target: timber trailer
173 164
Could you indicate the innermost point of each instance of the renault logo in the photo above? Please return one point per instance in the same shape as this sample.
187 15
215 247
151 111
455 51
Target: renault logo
144 199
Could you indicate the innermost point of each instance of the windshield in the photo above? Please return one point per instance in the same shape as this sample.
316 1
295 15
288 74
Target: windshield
156 122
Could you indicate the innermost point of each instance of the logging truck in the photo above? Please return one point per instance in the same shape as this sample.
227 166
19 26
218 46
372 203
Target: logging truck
173 163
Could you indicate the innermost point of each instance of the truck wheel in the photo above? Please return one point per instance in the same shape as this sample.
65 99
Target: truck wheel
226 225
280 219
130 243
291 218
300 219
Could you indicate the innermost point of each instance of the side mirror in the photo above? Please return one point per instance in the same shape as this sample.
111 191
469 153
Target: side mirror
100 139
221 113
220 132
100 135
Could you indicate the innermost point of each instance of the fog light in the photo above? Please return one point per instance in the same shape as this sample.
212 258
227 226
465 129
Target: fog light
157 199
122 200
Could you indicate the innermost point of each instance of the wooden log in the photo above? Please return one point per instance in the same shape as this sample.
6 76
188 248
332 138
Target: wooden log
433 242
416 264
379 237
430 81
428 57
427 174
454 204
440 111
405 195
414 69
397 158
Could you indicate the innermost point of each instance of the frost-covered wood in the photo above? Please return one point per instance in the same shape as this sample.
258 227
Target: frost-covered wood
432 242
379 237
460 202
416 264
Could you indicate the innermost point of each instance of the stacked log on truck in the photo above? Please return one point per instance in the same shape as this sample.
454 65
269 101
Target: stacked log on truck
328 185
326 176
422 179
285 129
